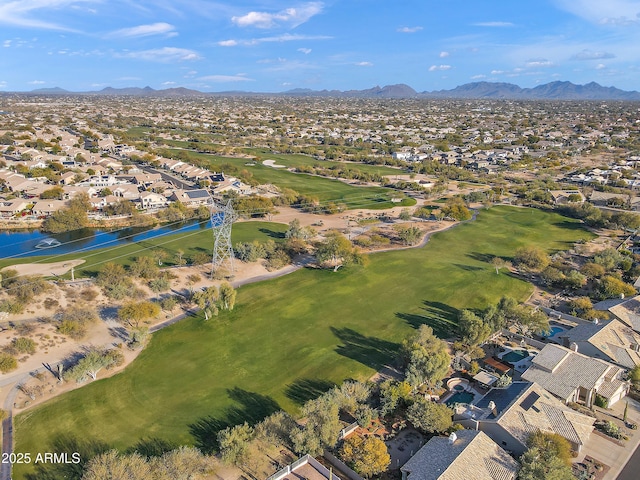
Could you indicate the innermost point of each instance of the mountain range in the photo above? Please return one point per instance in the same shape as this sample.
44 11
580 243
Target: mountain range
476 90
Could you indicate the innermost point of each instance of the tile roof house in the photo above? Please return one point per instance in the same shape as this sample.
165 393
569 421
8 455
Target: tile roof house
509 415
10 208
465 454
610 340
192 197
628 312
574 377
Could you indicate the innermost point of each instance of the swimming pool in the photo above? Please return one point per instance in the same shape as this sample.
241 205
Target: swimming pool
460 397
514 356
553 331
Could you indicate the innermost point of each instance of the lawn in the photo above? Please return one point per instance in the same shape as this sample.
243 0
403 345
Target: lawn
324 189
288 339
189 242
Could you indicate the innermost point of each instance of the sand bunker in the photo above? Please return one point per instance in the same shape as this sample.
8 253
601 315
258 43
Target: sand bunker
45 269
272 164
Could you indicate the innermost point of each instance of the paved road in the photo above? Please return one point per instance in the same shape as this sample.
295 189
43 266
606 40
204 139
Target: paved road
177 181
631 471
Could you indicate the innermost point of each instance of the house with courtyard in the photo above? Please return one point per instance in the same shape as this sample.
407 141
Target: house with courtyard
44 208
192 198
509 415
454 458
574 377
609 340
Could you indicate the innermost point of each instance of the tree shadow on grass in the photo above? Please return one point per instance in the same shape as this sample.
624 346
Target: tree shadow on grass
251 407
467 268
69 445
271 233
439 316
481 257
370 351
153 447
305 389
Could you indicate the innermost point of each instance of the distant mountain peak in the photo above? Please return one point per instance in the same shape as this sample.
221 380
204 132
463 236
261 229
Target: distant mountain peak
556 90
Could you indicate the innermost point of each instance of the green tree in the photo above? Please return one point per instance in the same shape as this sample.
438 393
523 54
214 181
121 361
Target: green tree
206 300
611 287
548 457
144 267
7 362
408 235
89 365
472 328
430 417
532 258
500 263
337 250
367 456
227 296
115 281
455 208
53 193
73 217
426 358
393 395
133 313
234 444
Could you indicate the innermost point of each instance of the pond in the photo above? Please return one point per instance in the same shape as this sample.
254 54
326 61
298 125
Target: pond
20 244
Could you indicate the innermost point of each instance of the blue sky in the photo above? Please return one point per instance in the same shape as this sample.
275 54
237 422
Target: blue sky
272 46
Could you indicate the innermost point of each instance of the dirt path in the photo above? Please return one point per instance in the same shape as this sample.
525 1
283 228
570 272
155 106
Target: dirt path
45 269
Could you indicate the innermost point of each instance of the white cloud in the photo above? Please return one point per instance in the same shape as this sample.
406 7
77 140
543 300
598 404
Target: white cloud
497 72
364 64
226 78
287 37
159 28
37 82
601 66
599 12
592 55
478 77
538 62
291 17
22 12
166 84
409 29
437 68
6 43
494 24
444 54
165 54
306 51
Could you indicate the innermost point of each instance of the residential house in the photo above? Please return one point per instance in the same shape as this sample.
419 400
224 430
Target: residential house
561 197
610 340
146 179
628 312
68 178
509 415
456 457
574 377
192 198
152 200
44 208
233 185
126 190
10 208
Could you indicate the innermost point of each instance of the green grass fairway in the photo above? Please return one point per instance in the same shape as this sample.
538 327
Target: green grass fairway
324 189
189 242
290 338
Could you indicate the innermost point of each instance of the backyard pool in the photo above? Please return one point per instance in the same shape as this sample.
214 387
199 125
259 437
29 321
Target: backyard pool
514 356
460 397
553 331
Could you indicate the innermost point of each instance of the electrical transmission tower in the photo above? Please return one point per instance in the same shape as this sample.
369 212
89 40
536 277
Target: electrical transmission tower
222 218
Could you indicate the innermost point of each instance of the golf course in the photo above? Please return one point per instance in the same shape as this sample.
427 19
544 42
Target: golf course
289 339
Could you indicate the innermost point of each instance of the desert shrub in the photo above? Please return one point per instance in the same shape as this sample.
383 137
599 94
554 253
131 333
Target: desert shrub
88 294
7 362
